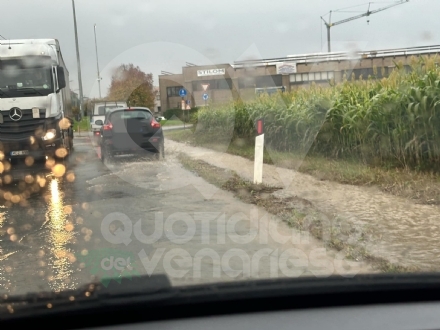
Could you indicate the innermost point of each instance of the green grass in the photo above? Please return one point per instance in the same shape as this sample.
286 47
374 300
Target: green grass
420 187
171 122
83 125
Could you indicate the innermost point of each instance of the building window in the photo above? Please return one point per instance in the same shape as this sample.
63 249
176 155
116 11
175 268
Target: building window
173 91
224 84
246 82
269 90
269 81
375 73
300 78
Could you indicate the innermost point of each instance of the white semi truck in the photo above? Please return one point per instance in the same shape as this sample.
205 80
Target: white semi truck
35 102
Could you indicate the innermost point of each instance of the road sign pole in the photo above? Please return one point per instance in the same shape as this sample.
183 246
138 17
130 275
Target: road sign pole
183 111
205 97
182 94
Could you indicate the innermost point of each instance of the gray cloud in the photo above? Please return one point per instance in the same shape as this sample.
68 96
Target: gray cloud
171 32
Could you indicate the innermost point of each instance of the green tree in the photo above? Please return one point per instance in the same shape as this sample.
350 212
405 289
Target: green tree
131 84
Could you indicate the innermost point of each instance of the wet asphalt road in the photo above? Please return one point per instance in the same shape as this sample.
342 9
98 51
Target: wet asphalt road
55 240
138 216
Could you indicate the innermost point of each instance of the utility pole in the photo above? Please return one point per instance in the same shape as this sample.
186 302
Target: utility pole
79 63
97 65
329 24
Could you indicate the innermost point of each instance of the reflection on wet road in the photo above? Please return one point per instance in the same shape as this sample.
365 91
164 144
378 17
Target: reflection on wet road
36 232
61 234
4 283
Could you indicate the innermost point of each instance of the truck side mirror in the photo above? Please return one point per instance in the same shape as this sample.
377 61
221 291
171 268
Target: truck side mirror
61 77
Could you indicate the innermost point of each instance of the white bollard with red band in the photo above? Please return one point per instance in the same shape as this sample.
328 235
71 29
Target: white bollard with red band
259 148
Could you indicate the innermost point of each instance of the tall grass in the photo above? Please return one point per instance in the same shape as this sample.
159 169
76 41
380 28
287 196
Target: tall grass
395 120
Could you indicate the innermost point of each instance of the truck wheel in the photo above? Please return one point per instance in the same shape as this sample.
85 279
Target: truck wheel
71 140
66 145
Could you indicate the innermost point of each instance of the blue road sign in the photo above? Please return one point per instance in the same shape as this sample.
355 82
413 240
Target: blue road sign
182 92
205 96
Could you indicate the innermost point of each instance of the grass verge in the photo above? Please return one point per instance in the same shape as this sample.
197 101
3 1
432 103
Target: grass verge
420 187
298 213
83 125
172 122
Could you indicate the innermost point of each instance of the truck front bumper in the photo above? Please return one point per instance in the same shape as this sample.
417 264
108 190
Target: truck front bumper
39 150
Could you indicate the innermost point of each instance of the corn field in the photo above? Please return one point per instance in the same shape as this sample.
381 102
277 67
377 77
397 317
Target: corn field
395 120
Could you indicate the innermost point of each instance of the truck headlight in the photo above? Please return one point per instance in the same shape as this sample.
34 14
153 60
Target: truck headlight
50 134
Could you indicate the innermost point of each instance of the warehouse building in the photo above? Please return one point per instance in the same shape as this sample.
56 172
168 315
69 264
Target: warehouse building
247 79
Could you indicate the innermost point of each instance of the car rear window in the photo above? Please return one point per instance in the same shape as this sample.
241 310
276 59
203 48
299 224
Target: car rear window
130 114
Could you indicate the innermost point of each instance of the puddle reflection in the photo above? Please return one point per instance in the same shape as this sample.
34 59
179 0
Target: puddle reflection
60 236
5 283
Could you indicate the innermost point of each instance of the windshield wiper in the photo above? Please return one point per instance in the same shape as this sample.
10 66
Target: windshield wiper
91 295
152 297
3 93
29 88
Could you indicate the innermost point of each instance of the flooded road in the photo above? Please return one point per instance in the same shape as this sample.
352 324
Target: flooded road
133 217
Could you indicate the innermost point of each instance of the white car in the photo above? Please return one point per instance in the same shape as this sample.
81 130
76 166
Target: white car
159 119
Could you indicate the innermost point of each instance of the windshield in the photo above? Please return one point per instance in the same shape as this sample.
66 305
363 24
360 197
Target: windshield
285 149
102 110
130 114
15 80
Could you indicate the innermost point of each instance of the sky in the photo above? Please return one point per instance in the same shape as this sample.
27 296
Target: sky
165 34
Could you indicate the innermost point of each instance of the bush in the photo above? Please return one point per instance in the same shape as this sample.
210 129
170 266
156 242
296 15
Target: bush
181 114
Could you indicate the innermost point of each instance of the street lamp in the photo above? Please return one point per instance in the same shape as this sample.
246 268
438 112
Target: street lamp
78 61
97 64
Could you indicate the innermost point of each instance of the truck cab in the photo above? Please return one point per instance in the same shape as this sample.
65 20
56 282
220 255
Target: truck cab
35 102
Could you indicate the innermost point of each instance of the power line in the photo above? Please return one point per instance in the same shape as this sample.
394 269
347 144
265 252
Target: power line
349 11
363 4
360 5
3 37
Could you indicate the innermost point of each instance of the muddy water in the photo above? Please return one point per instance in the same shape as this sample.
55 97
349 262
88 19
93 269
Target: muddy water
394 228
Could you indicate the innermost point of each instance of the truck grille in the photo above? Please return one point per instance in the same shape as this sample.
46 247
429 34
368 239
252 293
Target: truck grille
24 128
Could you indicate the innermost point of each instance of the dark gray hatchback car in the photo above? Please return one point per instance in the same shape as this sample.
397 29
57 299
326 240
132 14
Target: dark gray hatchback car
132 130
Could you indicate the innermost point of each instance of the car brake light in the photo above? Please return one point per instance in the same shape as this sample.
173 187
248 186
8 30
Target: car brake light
108 127
155 124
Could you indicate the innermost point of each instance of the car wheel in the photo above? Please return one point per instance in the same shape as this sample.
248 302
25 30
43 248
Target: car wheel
105 155
161 154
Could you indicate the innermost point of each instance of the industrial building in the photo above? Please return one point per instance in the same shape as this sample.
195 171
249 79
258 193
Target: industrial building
246 79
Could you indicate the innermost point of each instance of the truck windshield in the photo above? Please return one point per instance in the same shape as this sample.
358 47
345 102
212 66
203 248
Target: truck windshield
16 80
102 110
